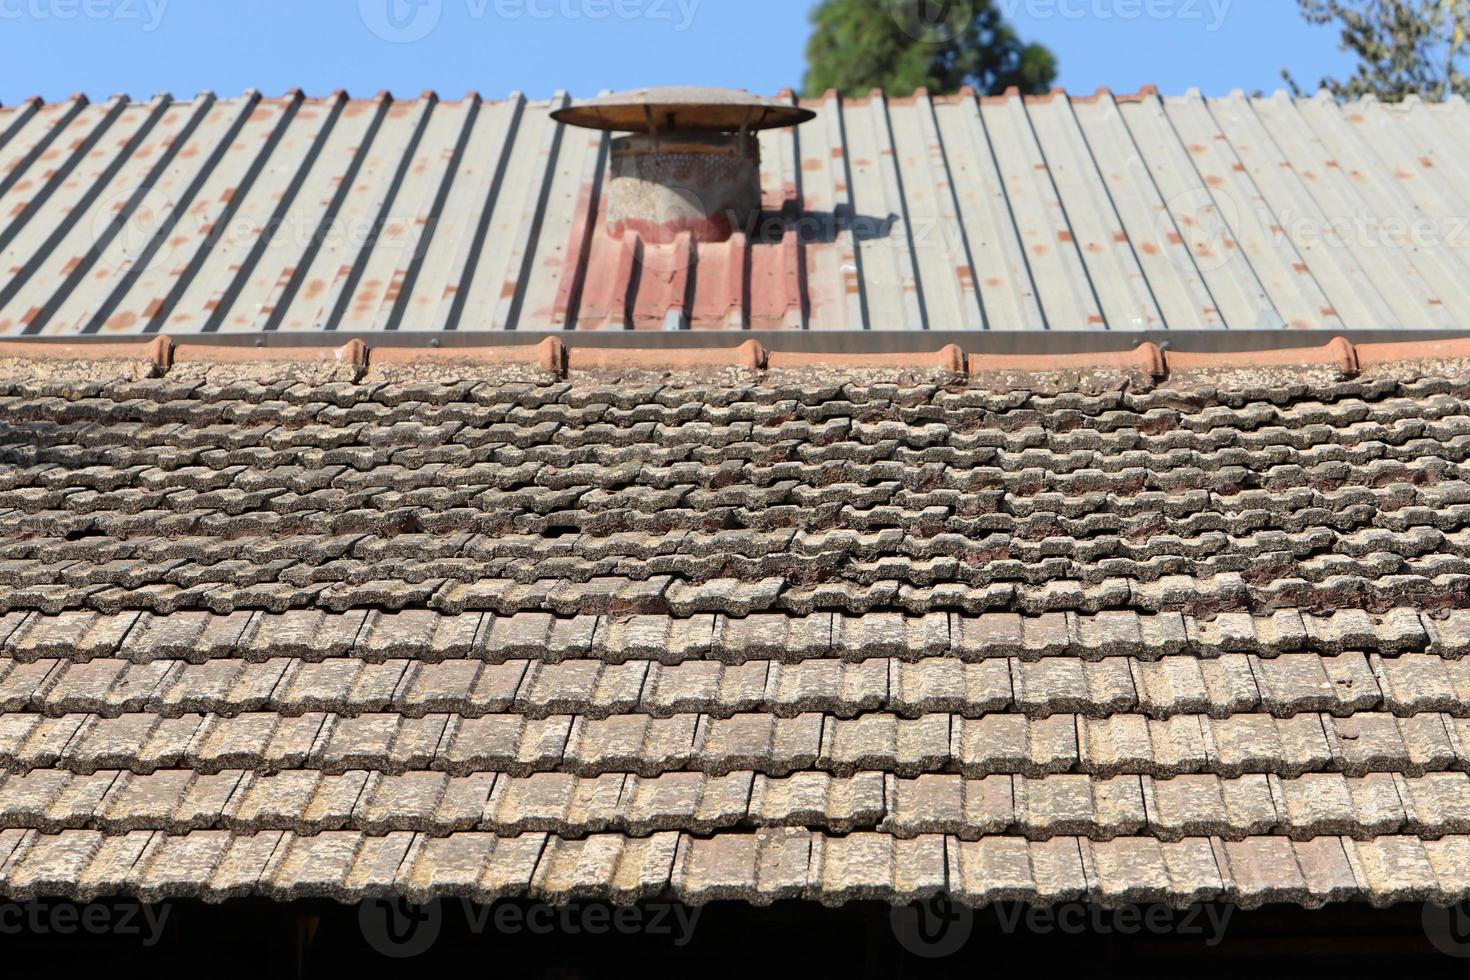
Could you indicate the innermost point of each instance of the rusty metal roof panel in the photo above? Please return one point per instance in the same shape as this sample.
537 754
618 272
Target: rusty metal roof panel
1068 299
1391 213
495 276
1093 224
472 196
1405 279
252 215
1250 227
834 281
1170 275
885 235
934 231
996 256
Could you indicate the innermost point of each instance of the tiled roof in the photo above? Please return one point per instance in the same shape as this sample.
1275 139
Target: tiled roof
1120 213
549 623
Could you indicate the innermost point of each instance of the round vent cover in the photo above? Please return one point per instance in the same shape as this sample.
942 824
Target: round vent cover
665 111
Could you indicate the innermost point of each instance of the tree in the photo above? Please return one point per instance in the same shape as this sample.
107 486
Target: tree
1404 47
902 45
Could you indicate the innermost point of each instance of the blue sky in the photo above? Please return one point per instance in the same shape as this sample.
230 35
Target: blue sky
55 47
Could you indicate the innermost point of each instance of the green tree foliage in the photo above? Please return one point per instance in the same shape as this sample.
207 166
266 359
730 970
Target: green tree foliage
1404 47
900 45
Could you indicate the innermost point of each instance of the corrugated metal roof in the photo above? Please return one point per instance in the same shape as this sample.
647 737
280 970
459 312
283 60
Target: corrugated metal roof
1055 213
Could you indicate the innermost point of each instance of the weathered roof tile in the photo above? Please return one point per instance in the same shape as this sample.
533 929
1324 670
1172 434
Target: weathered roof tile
1142 870
866 866
759 868
1015 744
1012 869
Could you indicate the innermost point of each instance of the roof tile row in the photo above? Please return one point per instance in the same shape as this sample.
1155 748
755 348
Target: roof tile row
1286 685
431 637
309 802
993 744
760 868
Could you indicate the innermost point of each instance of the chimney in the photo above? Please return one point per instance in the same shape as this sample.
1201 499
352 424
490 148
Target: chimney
692 163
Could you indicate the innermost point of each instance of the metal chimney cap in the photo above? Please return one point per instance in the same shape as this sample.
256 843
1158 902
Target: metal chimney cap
660 111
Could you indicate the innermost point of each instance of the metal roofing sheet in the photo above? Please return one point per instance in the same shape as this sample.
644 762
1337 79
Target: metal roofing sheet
1004 214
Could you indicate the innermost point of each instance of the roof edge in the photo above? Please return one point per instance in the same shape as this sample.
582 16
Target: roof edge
551 356
983 342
